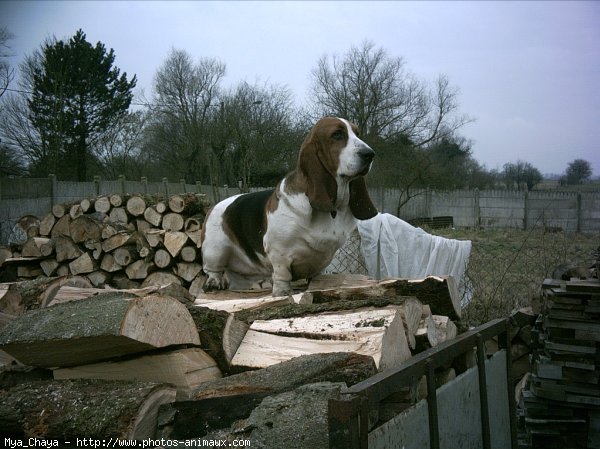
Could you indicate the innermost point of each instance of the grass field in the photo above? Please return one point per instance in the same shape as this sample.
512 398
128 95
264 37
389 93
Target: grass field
507 267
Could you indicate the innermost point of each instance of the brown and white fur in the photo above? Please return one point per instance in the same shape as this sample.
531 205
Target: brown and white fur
293 231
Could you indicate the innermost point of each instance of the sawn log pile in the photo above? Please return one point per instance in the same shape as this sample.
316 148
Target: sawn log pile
106 333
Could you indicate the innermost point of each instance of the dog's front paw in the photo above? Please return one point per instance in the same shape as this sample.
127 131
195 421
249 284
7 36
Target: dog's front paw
282 288
215 281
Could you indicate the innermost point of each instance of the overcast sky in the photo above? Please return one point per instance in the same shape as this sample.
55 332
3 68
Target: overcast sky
528 72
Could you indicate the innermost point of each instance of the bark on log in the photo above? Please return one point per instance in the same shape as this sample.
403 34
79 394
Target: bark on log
219 403
97 329
220 333
187 369
439 293
95 246
19 297
83 409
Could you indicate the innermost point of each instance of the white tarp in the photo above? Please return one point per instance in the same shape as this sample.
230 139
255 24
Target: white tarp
393 248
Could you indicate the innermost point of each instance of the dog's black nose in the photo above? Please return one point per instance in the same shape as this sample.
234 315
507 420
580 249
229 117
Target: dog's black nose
366 154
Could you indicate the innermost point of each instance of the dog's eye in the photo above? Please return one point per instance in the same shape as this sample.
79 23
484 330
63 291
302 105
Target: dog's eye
338 135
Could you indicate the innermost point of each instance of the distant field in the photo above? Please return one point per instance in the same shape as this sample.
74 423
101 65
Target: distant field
507 267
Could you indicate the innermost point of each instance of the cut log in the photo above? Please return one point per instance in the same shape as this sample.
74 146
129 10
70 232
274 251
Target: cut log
28 271
97 329
118 215
188 270
117 240
98 278
161 278
162 258
49 266
172 222
193 224
62 227
152 216
195 236
46 224
411 315
217 404
176 203
220 332
195 288
142 225
85 205
433 330
136 206
115 200
95 246
174 241
253 304
65 248
83 409
75 211
187 369
125 255
33 247
154 237
189 253
85 228
108 231
83 264
161 207
378 333
439 293
109 263
140 269
59 210
102 204
19 297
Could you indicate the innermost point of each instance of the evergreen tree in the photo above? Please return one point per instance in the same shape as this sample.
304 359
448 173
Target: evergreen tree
77 96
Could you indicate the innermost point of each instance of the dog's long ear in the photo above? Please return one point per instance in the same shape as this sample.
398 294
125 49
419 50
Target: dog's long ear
360 203
321 187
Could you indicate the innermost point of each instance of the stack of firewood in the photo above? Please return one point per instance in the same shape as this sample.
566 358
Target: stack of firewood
159 352
125 241
560 406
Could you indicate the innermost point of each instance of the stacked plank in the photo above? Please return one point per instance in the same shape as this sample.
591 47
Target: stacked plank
141 340
561 408
125 241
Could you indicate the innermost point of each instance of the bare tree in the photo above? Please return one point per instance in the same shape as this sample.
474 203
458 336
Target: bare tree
186 95
258 126
7 73
385 101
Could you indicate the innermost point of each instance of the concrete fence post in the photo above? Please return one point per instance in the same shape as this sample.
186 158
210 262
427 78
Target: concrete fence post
198 187
144 182
97 185
526 210
53 192
122 184
476 209
166 187
579 212
182 182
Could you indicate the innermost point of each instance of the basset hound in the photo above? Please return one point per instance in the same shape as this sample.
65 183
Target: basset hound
292 231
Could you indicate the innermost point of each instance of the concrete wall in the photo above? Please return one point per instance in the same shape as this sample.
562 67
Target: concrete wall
491 209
